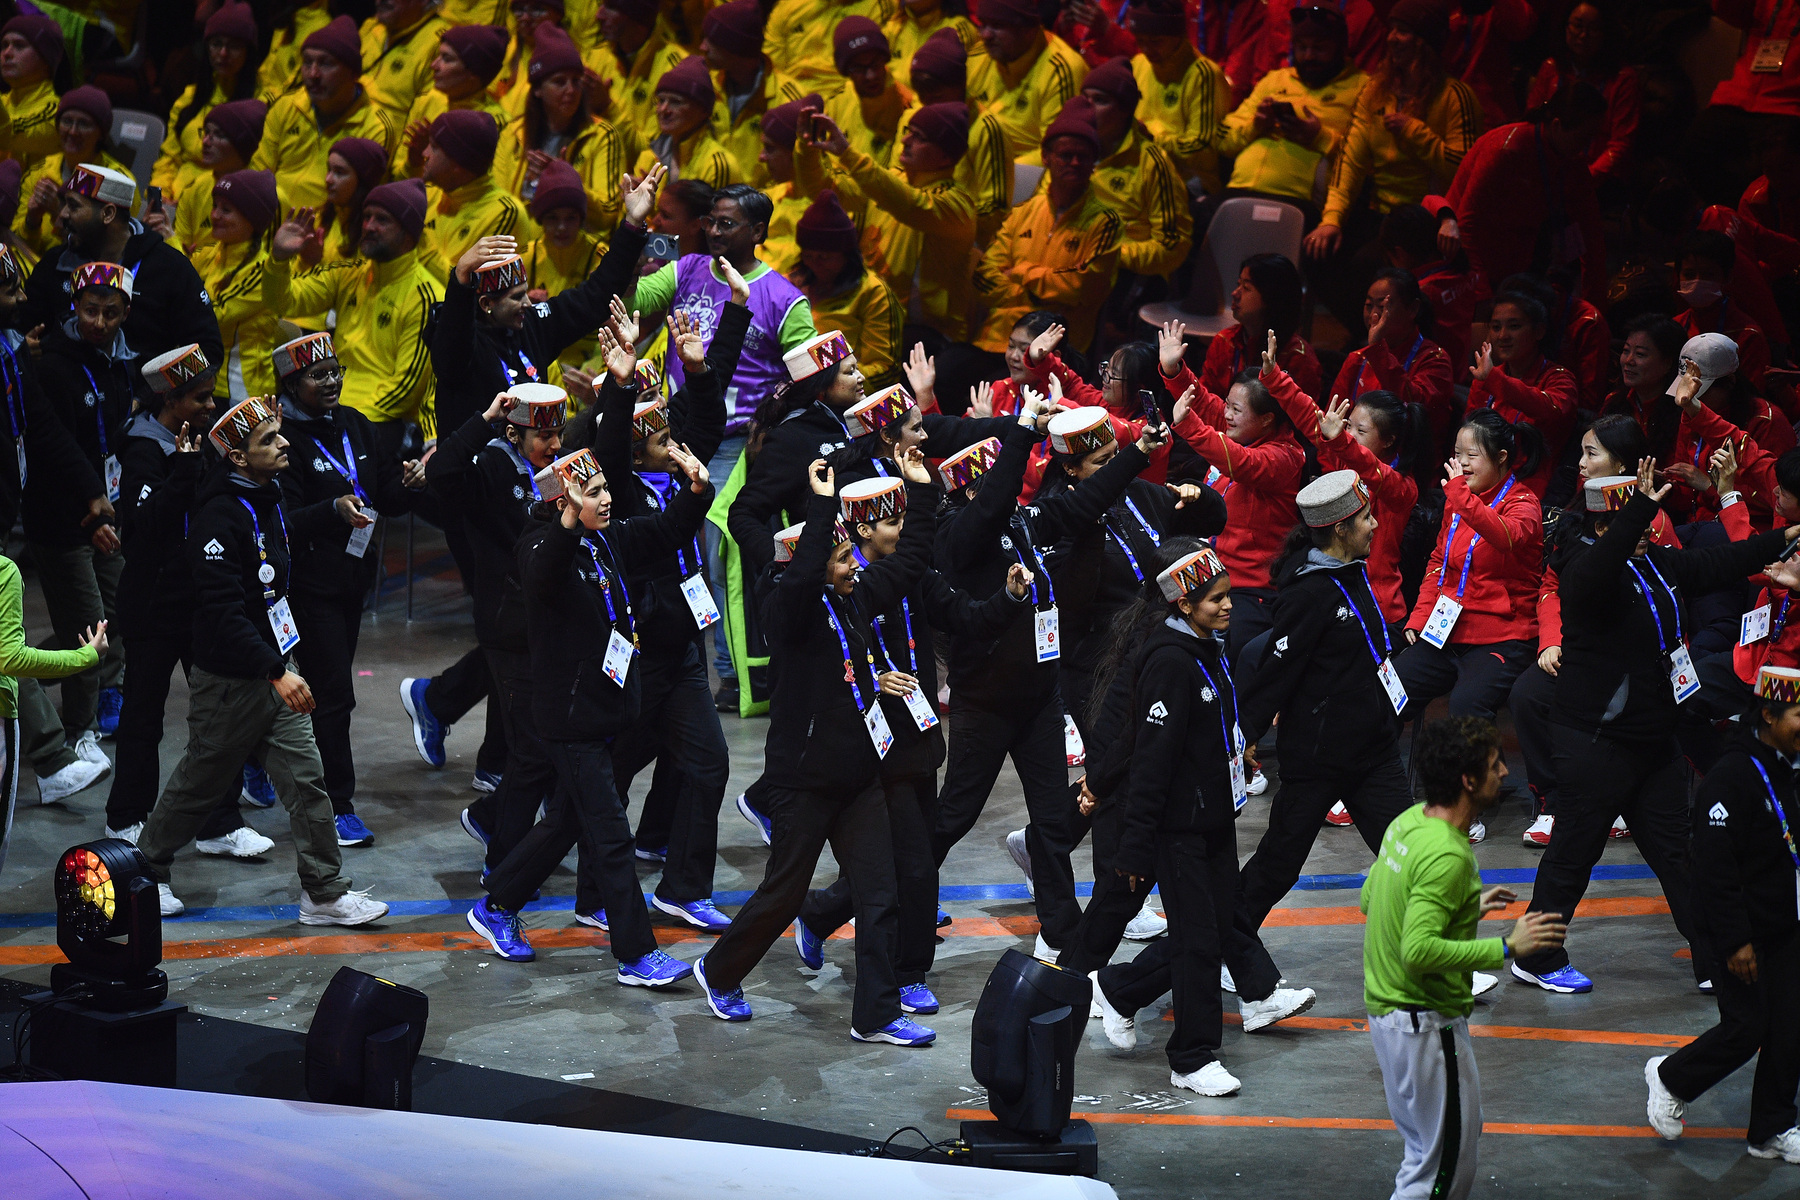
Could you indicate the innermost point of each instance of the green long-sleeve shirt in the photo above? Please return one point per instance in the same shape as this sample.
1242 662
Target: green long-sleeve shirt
18 658
1423 902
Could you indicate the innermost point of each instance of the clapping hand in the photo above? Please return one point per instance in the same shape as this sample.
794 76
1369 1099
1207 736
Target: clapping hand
1335 417
822 478
981 400
1019 580
690 465
912 465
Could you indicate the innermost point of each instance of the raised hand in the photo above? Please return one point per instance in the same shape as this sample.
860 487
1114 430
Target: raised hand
921 373
1153 438
690 465
621 358
822 478
579 384
1171 347
1786 572
485 250
1453 469
1687 386
1269 365
1044 343
186 443
981 399
417 135
684 332
740 291
640 194
826 135
1484 361
1646 480
1334 418
499 408
624 322
1184 406
912 465
291 234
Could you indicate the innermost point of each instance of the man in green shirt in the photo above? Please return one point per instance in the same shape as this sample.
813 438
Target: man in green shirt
1423 900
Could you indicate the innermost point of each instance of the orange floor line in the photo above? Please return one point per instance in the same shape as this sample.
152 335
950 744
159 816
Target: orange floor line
1535 1033
1355 1123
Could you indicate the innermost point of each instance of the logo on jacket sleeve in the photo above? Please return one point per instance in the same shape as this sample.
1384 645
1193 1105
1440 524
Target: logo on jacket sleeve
1716 814
1158 712
144 494
1280 646
213 551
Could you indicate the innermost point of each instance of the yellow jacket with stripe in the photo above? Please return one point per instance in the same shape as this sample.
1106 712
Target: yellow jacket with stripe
873 126
798 38
1273 165
249 331
294 147
280 70
779 249
598 155
1140 183
397 68
456 220
1026 94
631 87
872 317
1405 167
32 115
698 156
919 237
907 30
178 159
382 309
741 135
1040 260
1183 115
431 105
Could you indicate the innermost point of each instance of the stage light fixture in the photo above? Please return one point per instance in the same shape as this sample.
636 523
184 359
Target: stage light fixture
365 1036
105 892
1027 1026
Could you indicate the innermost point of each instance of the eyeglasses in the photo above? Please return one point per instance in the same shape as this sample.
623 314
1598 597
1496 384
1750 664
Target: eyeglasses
720 224
324 374
1106 373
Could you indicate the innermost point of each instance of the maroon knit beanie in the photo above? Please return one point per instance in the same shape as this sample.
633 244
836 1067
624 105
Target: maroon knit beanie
235 21
689 78
736 28
482 49
826 226
558 187
782 123
1075 120
340 40
44 34
366 157
552 53
240 122
1011 14
943 59
90 100
468 136
945 126
404 200
1157 20
854 36
1116 80
253 194
1427 20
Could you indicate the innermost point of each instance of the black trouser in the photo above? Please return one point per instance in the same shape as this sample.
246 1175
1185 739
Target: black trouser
529 780
656 821
137 766
327 650
1308 790
857 827
461 686
680 722
1252 614
1476 678
911 810
584 804
1598 780
1762 1016
980 742
1533 692
1722 696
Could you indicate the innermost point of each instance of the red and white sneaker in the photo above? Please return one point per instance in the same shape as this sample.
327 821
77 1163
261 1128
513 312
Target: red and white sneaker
1539 833
1618 829
1339 815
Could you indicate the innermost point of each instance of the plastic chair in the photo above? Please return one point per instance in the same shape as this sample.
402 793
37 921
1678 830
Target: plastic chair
1243 226
139 135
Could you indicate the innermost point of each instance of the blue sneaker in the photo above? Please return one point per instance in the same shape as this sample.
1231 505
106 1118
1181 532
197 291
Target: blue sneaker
727 1006
259 789
943 919
654 970
473 828
917 998
701 914
111 700
763 825
352 832
655 856
486 782
1566 980
502 931
810 945
428 734
595 919
901 1031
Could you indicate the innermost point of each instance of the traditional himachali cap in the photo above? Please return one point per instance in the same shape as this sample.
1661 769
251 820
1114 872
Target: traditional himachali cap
648 418
12 274
102 184
786 540
872 500
1715 354
814 355
569 471
233 429
303 352
1332 497
1780 684
965 466
840 532
1609 493
1189 575
102 274
176 369
882 409
500 275
540 406
648 377
1081 431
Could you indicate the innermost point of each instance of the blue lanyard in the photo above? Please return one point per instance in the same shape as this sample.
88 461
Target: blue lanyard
1662 642
347 468
14 382
1780 814
912 649
1231 746
651 480
512 376
262 552
850 437
523 466
1125 544
1039 573
99 410
612 615
1356 388
1387 640
844 645
1468 555
1780 619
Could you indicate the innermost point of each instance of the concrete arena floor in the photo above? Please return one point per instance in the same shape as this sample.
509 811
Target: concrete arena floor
564 1016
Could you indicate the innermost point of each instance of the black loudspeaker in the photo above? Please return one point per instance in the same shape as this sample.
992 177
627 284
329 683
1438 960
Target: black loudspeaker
1026 1029
364 1038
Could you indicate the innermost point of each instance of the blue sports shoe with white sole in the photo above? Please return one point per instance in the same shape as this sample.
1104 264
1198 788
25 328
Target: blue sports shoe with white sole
726 1005
352 832
763 825
1566 980
810 945
654 970
701 914
258 788
901 1031
502 931
428 732
917 998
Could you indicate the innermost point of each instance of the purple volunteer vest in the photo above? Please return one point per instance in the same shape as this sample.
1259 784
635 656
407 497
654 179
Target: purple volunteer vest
760 370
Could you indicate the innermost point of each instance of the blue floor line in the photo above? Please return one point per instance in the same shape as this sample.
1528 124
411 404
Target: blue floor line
952 894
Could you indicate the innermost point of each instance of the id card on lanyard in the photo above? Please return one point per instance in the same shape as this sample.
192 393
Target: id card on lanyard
1445 612
1356 388
360 536
619 648
109 462
1771 51
1234 737
917 706
1047 633
694 588
1786 834
874 720
1756 624
281 617
1682 676
1384 658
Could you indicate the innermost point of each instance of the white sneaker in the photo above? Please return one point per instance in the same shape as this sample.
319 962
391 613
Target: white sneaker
1782 1145
242 842
1339 816
1281 1004
1538 836
1477 833
351 908
1044 953
88 746
1619 830
1259 783
1211 1080
1664 1110
1015 847
76 777
1481 983
168 901
1121 1030
1225 980
128 834
1147 926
